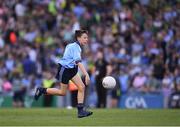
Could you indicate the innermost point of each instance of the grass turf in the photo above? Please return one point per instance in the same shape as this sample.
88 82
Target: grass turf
101 117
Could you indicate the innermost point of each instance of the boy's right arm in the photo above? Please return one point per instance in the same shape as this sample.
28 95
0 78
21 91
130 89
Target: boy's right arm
83 70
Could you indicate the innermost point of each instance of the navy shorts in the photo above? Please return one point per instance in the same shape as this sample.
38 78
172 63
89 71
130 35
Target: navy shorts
65 74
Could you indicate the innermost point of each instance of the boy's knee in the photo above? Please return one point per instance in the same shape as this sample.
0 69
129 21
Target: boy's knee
81 88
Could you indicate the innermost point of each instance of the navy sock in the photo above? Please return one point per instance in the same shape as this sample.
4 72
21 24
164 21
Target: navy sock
80 107
44 90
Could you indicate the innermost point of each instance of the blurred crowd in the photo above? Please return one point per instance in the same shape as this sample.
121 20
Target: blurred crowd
136 41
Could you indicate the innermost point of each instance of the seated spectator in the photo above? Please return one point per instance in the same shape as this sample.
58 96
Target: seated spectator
139 82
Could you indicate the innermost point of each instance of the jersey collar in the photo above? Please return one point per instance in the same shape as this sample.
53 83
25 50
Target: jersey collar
78 43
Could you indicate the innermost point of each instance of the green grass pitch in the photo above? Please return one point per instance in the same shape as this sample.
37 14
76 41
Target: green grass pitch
101 117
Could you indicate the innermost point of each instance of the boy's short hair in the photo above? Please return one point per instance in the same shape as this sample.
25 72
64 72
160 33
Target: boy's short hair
78 33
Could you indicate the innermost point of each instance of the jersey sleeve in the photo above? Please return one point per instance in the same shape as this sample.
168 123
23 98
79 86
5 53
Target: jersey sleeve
76 55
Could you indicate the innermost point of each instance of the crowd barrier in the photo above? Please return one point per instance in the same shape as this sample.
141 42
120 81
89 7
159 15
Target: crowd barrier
141 100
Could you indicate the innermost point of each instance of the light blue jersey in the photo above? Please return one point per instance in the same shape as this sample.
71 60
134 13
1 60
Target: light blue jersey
72 55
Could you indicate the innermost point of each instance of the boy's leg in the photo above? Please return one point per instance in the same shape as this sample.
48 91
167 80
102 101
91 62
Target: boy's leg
55 91
51 91
80 97
81 88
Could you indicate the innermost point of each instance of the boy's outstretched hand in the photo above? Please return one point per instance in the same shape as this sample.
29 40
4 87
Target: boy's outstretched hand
87 79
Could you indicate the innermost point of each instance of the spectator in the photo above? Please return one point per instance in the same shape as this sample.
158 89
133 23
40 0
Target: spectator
174 101
19 91
101 71
139 82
